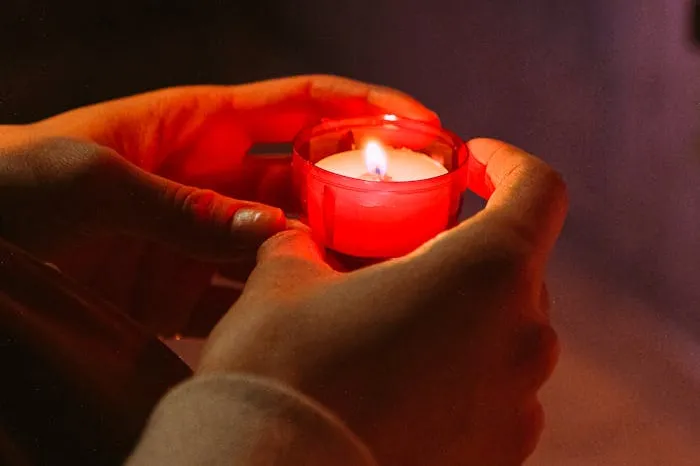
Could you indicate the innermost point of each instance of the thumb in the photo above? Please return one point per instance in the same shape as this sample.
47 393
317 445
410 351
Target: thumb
295 243
198 222
265 332
288 261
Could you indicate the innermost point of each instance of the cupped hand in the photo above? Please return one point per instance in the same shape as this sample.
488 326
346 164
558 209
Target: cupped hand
136 197
433 358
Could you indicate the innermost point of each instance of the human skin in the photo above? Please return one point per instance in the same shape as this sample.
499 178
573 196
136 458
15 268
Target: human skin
431 358
137 197
435 357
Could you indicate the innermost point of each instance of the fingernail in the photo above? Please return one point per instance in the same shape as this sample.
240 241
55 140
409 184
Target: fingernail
262 221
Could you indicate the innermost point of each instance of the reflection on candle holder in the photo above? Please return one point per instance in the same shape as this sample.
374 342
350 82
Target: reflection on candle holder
378 187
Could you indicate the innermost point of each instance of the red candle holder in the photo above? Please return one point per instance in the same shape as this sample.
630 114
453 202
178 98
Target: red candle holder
378 218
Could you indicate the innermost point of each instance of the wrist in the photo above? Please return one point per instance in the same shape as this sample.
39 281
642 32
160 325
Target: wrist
221 356
12 135
213 365
238 418
7 132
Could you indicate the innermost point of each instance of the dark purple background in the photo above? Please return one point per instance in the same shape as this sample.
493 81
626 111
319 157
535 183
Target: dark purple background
605 90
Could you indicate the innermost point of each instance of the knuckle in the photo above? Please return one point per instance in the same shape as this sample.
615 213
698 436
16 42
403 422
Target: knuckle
545 304
550 198
288 243
71 149
319 77
322 85
77 163
292 252
517 430
536 354
190 199
551 183
499 261
288 236
80 181
276 241
319 83
531 426
554 183
327 79
195 209
509 255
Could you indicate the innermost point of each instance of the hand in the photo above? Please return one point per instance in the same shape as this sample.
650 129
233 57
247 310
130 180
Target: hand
112 193
433 358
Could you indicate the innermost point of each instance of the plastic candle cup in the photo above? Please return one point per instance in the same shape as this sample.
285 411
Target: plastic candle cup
378 187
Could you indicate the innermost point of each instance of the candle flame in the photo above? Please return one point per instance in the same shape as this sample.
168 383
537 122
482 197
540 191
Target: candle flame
375 159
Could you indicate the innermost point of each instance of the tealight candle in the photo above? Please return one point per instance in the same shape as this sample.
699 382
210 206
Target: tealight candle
374 163
379 187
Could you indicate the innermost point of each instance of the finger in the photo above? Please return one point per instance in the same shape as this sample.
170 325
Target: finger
200 223
534 357
524 194
295 242
272 111
198 134
209 156
260 178
288 261
278 109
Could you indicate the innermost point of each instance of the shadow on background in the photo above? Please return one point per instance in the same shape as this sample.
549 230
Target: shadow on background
604 90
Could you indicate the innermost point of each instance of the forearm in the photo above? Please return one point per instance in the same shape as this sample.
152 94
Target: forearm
245 421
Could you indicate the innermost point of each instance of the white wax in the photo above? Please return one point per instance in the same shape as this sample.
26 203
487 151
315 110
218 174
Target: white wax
402 165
